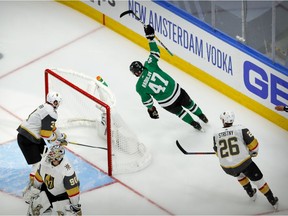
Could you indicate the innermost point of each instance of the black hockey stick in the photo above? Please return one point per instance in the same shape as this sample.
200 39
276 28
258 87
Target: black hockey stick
80 144
137 18
191 153
126 12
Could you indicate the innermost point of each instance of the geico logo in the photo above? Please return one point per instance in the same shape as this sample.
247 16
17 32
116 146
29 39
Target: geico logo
263 84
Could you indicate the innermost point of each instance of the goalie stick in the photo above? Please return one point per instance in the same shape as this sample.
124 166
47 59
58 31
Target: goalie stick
191 153
80 144
138 18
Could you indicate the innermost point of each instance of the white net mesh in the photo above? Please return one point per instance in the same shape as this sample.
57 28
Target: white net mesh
79 110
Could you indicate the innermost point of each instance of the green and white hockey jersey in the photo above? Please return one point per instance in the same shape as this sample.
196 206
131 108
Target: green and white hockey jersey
155 83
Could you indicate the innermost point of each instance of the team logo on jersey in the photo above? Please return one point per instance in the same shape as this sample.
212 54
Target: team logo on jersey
49 181
67 166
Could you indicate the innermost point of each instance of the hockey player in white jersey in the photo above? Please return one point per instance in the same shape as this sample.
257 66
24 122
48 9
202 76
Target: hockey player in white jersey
55 190
235 146
38 127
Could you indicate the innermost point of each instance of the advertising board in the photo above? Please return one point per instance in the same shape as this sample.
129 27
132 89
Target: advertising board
205 53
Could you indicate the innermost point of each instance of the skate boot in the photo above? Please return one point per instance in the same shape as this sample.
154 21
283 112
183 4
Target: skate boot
203 118
253 195
252 192
274 202
196 125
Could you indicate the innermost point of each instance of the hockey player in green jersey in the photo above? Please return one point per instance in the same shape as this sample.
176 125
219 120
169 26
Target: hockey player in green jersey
155 83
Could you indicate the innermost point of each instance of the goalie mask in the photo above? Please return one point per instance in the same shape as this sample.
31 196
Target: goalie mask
56 153
227 117
54 98
136 68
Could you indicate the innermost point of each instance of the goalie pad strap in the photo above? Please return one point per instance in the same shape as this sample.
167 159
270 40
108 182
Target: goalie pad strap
39 204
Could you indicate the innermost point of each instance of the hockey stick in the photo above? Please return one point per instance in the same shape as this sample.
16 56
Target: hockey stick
80 144
137 18
126 12
191 153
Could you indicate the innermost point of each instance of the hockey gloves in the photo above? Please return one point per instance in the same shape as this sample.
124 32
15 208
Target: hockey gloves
62 140
253 153
149 32
153 113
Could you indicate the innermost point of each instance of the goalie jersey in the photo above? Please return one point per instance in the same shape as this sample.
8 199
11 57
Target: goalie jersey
155 83
58 179
233 146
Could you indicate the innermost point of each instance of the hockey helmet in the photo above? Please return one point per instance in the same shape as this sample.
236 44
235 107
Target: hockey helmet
136 68
56 153
227 117
54 98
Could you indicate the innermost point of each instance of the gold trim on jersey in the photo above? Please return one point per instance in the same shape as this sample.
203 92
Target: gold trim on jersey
73 191
38 177
237 165
46 133
28 134
253 145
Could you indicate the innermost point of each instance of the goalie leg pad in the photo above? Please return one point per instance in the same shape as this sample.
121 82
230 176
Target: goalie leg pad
39 204
30 193
59 207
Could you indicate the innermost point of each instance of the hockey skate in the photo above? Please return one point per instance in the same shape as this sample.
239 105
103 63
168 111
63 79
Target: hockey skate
275 203
197 126
252 192
253 196
203 118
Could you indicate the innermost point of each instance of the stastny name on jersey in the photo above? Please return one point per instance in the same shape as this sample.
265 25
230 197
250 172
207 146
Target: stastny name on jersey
225 133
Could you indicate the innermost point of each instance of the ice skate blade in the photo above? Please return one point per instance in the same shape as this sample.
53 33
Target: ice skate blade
202 130
275 207
254 197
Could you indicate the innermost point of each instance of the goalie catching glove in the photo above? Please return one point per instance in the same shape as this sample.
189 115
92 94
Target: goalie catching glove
153 113
149 32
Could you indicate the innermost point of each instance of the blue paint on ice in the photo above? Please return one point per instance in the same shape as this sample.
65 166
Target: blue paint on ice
14 171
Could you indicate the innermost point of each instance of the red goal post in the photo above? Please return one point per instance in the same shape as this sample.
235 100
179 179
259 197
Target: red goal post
85 94
80 105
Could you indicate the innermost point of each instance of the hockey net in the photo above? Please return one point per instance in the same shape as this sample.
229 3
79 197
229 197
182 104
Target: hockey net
87 102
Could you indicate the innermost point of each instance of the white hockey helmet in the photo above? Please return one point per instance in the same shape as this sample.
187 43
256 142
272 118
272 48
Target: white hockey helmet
56 153
54 98
227 117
